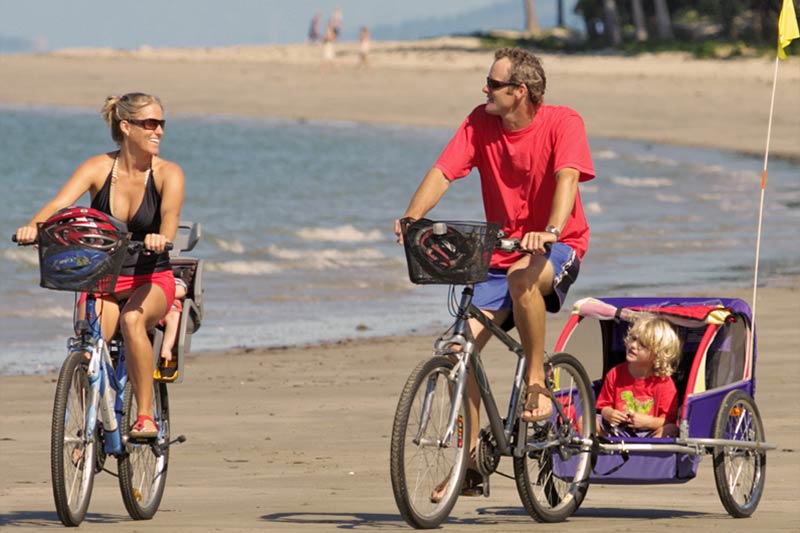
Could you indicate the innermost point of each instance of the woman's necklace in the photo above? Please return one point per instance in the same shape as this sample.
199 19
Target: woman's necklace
114 183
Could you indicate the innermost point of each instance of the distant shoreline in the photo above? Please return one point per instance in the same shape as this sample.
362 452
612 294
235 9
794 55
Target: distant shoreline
666 98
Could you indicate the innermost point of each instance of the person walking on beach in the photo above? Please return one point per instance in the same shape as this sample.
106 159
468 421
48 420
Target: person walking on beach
336 22
363 47
313 29
145 191
328 52
530 157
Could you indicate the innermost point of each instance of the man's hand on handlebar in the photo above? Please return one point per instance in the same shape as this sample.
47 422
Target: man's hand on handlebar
398 227
538 242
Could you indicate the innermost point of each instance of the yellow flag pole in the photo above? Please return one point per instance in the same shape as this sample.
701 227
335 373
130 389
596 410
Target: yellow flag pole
787 31
763 188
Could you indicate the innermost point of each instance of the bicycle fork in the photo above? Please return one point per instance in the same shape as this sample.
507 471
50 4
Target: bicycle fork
457 376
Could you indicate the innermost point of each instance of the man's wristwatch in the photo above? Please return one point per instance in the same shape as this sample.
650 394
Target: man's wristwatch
553 230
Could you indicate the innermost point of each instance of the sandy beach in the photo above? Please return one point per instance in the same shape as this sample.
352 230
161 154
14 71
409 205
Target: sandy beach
297 439
662 98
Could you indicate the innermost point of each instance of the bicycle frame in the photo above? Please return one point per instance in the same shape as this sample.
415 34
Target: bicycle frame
106 380
461 344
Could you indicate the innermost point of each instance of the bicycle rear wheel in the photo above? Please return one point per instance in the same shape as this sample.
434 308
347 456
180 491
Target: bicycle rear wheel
143 466
739 473
71 452
552 482
426 473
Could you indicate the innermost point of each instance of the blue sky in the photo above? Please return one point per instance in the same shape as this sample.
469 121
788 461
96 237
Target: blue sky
102 23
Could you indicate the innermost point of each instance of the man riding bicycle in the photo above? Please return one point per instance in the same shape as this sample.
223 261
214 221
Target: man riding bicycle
530 157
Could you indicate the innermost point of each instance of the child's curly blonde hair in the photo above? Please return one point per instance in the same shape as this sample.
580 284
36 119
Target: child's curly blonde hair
658 336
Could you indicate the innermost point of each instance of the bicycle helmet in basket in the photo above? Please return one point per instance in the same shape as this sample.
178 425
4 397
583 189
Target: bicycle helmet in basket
72 264
439 248
81 249
86 227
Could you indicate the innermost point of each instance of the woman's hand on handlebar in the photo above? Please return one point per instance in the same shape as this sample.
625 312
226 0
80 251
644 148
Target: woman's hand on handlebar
25 235
155 242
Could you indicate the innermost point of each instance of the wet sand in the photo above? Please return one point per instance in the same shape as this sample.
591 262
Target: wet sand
297 439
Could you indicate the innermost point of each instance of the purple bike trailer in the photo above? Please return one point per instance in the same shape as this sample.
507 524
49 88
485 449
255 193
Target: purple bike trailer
718 344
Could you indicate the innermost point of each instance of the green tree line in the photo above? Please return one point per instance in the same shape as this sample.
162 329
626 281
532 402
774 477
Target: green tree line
614 22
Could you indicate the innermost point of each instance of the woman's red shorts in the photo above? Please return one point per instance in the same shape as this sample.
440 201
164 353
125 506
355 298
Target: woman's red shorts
164 279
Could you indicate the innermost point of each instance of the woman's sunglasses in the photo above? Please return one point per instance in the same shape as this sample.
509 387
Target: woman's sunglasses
150 124
493 85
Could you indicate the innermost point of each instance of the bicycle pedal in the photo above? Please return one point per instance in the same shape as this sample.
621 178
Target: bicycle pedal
142 440
159 449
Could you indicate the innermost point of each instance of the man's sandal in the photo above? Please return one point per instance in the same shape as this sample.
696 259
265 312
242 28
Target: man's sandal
472 486
532 403
138 431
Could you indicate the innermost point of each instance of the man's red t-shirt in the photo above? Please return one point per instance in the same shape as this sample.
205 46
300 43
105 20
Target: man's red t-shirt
654 396
518 171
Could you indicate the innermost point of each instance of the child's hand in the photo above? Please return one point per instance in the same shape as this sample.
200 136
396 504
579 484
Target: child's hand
635 420
617 418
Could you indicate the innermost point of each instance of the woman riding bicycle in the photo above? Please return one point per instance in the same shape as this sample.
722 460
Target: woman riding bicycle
136 186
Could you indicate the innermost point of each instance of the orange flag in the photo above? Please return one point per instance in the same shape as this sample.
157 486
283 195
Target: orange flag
787 27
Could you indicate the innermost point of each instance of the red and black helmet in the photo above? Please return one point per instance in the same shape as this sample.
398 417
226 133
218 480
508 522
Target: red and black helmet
439 248
86 227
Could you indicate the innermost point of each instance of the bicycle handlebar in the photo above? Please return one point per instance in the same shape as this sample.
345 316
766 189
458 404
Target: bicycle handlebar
512 245
135 246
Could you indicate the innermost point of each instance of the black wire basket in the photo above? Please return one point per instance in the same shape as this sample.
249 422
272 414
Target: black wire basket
448 252
80 267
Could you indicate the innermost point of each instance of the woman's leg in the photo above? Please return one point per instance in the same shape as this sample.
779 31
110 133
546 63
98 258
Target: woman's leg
145 307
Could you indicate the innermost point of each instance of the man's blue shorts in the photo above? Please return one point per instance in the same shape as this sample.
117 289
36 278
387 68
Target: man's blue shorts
493 294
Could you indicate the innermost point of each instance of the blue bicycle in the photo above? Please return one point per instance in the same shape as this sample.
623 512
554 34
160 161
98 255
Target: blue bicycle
81 250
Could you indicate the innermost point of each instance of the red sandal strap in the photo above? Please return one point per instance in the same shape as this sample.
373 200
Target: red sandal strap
139 425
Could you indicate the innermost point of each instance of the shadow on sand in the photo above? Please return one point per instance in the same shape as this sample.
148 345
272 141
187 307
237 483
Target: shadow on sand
30 519
488 516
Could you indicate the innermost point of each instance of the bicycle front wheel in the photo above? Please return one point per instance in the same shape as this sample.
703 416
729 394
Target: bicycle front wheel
553 481
426 471
72 451
143 466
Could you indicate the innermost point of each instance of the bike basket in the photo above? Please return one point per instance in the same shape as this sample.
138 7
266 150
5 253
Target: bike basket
448 252
81 250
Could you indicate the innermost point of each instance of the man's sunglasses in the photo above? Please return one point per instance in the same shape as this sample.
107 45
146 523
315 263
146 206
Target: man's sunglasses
150 124
493 85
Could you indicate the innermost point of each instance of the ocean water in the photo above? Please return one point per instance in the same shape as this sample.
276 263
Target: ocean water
297 225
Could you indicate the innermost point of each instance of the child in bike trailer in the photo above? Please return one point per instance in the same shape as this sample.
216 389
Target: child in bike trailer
638 398
167 369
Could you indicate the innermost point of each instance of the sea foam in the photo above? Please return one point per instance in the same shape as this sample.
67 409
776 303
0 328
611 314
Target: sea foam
624 181
346 233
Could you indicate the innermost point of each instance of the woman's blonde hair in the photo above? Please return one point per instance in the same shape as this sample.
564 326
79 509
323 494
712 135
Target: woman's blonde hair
118 108
658 336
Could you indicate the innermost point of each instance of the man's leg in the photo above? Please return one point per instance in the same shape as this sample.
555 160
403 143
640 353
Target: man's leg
482 336
529 281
